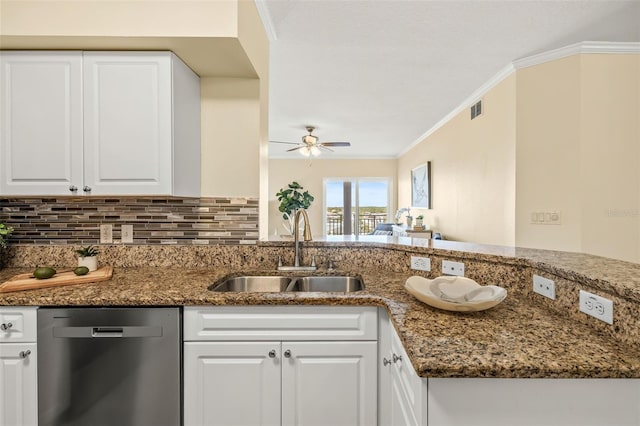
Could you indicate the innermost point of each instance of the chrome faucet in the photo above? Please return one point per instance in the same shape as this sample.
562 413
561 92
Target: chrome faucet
296 243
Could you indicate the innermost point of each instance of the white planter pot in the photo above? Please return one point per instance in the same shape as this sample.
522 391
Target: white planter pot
419 222
90 262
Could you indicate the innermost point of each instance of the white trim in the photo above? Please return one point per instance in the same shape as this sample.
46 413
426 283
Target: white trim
263 11
585 47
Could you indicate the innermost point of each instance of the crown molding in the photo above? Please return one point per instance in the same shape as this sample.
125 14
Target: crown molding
263 11
471 99
586 47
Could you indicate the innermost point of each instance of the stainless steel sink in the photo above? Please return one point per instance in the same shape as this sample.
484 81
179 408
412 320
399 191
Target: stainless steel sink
264 284
253 284
329 283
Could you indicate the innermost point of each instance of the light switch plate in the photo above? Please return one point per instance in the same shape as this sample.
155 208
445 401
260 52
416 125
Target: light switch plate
453 268
544 286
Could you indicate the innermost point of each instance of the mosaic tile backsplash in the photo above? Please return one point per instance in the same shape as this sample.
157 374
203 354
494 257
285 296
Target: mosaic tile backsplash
155 220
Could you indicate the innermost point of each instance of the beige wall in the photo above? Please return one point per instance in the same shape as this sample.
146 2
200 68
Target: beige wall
230 137
472 172
282 172
547 153
585 159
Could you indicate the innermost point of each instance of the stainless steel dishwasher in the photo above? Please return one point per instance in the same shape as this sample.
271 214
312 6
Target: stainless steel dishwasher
109 367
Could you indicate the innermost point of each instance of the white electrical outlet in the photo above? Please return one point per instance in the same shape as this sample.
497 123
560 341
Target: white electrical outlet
420 263
126 234
452 268
106 234
596 306
544 286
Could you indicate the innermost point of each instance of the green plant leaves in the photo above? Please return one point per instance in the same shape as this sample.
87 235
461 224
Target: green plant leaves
292 199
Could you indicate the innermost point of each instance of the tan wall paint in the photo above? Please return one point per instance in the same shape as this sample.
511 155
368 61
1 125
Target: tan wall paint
282 172
547 153
578 151
610 155
230 137
202 18
472 172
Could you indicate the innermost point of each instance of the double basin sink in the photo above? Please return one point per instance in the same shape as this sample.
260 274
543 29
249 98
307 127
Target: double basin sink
263 284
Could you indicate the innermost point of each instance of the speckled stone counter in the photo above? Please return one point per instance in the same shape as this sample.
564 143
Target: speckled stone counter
514 339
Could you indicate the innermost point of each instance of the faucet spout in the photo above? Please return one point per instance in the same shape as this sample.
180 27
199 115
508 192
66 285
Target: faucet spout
296 234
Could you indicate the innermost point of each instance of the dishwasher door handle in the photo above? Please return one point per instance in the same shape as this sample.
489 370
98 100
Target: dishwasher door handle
107 332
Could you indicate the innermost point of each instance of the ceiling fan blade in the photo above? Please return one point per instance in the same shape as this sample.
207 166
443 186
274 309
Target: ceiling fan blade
321 146
296 148
336 143
288 143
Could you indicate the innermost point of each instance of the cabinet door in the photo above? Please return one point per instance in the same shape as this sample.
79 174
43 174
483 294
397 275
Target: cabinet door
329 383
128 122
231 383
18 384
40 123
401 412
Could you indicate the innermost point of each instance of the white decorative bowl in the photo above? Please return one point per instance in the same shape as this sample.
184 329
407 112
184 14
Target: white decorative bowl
453 293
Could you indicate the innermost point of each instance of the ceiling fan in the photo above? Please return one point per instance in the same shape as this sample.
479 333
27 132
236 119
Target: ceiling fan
310 145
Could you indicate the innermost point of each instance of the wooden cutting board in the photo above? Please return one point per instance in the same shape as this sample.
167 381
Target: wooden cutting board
64 277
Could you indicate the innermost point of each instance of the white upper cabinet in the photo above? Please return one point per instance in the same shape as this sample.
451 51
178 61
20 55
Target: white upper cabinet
99 123
40 122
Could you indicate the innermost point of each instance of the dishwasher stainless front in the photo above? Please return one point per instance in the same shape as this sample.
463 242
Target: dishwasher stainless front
109 367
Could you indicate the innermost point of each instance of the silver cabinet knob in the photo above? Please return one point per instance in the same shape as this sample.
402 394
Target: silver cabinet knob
86 188
272 353
397 358
73 188
24 354
5 326
386 362
287 353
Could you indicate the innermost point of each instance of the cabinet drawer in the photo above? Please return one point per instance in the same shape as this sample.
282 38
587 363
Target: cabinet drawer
18 324
280 323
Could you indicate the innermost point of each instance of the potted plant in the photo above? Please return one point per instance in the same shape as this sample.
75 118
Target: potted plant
419 220
5 231
88 257
292 199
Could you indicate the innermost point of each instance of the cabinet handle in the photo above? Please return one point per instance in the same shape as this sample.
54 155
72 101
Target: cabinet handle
73 188
397 358
86 188
272 353
287 353
386 362
24 354
5 327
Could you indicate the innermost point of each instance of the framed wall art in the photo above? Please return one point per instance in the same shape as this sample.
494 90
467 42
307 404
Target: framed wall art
421 186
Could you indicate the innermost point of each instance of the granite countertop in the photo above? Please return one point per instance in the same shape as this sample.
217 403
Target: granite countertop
514 339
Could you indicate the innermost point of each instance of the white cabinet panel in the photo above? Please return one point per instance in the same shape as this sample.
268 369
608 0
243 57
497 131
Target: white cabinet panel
329 383
532 402
127 133
41 122
18 384
280 323
231 383
18 324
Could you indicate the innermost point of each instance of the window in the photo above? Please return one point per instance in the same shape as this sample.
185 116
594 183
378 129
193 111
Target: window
367 199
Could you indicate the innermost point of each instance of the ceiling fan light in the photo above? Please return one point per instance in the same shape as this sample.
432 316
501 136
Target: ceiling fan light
310 139
305 151
315 151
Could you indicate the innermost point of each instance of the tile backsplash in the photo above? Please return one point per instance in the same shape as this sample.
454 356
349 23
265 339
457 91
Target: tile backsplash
155 220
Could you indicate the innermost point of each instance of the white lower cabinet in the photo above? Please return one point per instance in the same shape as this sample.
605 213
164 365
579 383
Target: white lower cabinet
18 367
302 382
401 391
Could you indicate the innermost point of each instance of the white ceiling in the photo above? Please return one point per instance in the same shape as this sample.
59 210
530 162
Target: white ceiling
380 73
